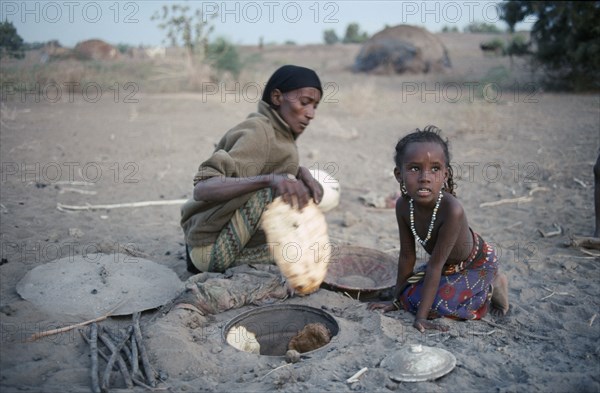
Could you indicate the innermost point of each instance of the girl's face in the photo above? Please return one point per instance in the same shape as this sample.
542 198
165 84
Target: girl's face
423 171
297 107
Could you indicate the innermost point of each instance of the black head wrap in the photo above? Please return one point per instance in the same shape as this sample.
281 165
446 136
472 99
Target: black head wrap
291 77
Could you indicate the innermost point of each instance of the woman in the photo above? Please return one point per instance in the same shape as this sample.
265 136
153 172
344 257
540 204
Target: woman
254 162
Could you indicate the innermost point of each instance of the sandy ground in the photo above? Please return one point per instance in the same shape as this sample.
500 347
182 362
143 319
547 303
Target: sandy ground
527 144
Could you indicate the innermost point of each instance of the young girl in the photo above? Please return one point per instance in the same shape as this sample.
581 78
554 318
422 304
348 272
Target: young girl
461 276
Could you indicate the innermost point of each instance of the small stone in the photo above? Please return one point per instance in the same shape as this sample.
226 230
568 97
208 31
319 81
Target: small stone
75 232
292 356
163 375
94 291
3 261
7 310
216 350
349 220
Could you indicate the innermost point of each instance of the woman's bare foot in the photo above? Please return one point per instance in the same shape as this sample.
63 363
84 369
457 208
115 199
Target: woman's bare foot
500 296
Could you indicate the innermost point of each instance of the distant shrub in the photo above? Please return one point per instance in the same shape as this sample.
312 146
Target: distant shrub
330 37
518 46
448 29
495 46
353 35
223 56
479 27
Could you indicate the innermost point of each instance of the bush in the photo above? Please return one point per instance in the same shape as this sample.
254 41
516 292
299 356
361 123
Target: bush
495 45
479 27
223 56
518 46
330 37
353 35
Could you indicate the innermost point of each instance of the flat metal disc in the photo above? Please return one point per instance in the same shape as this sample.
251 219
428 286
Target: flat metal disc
418 363
92 285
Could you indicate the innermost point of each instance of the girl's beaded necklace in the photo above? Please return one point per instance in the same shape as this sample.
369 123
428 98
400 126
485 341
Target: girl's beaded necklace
412 219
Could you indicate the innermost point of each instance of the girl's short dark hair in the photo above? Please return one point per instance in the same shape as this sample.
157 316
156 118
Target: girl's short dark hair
430 133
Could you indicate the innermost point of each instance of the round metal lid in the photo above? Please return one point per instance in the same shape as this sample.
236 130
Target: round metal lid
418 363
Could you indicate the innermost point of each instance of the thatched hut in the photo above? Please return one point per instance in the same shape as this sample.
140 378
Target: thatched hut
402 49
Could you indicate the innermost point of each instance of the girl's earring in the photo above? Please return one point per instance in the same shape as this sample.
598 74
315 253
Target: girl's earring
445 186
403 189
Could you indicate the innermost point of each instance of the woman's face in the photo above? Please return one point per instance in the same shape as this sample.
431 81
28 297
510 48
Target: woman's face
297 107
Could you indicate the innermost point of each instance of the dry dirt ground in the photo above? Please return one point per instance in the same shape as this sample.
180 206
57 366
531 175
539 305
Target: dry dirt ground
525 143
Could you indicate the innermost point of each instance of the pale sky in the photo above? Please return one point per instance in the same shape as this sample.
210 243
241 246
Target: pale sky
242 22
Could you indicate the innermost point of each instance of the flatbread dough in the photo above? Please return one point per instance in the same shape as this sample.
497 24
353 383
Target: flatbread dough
299 243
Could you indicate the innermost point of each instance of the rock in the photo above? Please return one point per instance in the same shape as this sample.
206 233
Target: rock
292 356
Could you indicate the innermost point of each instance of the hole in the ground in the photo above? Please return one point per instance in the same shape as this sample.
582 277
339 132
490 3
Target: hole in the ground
273 327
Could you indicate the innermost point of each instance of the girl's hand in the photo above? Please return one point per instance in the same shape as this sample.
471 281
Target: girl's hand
422 324
385 307
314 187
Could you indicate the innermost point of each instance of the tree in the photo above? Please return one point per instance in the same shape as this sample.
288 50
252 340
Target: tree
566 35
192 30
353 34
11 43
330 37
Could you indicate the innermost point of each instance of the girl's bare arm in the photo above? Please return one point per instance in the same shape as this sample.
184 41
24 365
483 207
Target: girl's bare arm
449 231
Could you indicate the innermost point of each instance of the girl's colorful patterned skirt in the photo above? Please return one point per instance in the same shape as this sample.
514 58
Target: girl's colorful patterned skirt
465 289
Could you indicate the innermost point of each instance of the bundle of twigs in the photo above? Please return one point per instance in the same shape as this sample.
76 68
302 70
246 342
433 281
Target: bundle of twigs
126 351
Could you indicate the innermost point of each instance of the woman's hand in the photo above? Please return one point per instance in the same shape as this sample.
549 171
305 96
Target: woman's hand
314 187
385 307
291 190
423 324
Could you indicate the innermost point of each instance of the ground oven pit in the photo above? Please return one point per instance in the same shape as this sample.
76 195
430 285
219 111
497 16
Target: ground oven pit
273 330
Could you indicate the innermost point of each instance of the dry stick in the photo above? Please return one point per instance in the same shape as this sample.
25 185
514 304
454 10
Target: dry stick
483 333
111 361
150 377
94 351
531 335
100 352
357 375
275 369
592 319
506 201
62 207
120 362
129 355
557 232
586 242
593 254
106 357
580 182
134 361
39 335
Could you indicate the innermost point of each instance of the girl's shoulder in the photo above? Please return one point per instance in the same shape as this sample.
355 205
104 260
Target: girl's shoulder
451 206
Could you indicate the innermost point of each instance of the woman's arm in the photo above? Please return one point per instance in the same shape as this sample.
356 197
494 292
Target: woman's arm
221 189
